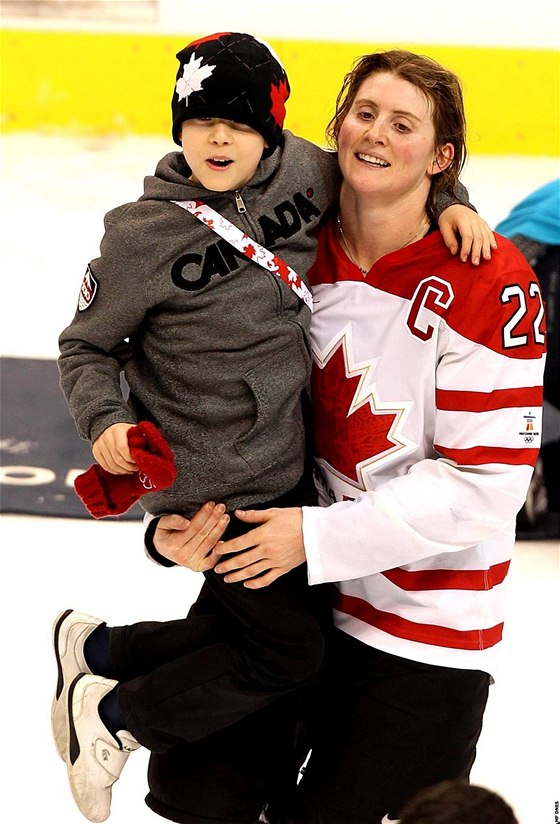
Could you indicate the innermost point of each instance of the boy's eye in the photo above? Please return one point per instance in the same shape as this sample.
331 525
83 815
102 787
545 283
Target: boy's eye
242 127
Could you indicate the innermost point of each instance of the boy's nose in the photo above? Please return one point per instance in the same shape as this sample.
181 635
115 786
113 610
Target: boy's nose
220 133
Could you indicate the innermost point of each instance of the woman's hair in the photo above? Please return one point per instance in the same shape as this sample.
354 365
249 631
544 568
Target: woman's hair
441 87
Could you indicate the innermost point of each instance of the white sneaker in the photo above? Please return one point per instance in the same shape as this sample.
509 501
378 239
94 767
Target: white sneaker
96 757
70 631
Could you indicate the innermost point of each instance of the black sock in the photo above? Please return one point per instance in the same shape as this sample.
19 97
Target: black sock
111 713
97 651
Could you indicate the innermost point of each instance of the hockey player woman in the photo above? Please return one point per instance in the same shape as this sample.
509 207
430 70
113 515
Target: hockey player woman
426 392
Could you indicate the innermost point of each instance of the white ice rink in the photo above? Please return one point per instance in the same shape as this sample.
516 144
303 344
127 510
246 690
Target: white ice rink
54 194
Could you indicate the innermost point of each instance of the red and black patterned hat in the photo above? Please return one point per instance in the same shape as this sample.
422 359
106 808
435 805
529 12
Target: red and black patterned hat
232 76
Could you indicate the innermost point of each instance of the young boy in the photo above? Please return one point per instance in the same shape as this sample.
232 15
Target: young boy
214 349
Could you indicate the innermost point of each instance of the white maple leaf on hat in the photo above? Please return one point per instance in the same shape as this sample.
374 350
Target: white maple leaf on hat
193 77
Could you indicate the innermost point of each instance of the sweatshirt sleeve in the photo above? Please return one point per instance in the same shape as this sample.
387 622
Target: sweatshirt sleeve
94 347
459 197
150 525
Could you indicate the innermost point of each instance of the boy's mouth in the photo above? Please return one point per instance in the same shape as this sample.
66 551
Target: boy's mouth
219 162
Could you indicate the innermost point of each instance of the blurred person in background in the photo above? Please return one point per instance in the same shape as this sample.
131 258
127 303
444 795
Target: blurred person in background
457 802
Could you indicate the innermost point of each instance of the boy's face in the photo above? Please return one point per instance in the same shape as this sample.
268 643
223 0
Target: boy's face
222 155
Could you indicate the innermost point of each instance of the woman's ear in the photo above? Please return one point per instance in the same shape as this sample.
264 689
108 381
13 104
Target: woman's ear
444 156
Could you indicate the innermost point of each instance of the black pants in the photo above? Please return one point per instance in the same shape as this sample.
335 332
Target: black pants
230 777
385 728
186 679
221 689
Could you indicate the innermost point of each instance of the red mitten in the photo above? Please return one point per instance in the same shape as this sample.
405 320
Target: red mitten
106 494
152 455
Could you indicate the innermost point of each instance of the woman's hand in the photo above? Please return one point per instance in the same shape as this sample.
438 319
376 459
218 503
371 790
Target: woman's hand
111 450
476 236
264 553
189 543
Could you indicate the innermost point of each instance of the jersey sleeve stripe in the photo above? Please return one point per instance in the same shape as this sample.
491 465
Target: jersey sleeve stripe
479 455
434 579
434 635
447 399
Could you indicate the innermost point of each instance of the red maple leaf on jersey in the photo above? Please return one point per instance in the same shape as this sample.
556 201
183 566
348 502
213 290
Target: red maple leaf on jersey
279 94
342 438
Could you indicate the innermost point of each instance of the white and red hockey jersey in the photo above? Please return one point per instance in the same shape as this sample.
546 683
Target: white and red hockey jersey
427 393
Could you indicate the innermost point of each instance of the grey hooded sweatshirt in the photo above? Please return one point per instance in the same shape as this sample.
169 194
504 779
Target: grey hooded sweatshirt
213 347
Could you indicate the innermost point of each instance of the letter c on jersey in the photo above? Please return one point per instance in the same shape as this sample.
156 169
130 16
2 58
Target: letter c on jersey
431 293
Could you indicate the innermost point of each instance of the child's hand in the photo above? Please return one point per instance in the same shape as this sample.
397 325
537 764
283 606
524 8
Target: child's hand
111 450
475 234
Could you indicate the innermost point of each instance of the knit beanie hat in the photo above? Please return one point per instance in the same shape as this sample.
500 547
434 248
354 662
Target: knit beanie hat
232 76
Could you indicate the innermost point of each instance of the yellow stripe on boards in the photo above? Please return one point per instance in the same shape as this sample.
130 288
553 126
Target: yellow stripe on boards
100 83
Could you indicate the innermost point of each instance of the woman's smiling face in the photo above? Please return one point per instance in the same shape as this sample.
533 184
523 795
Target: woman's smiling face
386 143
